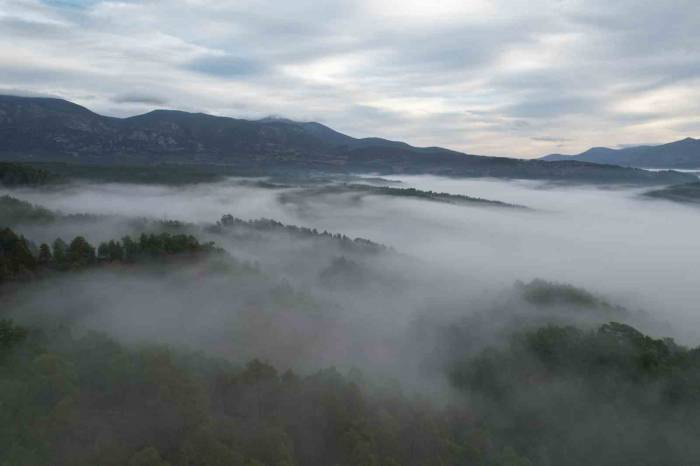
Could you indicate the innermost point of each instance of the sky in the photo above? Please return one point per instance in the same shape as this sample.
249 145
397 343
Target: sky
517 78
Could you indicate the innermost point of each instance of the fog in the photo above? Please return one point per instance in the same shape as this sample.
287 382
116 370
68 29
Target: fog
444 262
609 239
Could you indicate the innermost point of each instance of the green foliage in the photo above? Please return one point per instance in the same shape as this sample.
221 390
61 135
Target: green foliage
111 251
18 262
151 246
166 174
543 293
16 258
632 395
429 195
80 253
87 400
59 252
229 223
45 256
544 399
359 190
13 174
13 211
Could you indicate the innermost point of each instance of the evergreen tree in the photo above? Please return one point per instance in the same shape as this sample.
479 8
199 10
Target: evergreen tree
45 256
59 252
16 259
80 253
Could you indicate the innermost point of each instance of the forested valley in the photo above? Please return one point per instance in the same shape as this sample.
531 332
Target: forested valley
230 335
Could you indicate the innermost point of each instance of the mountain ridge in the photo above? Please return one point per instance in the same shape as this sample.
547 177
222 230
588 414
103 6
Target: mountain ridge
51 129
681 154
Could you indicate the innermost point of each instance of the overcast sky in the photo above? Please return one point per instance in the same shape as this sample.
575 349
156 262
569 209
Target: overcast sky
497 77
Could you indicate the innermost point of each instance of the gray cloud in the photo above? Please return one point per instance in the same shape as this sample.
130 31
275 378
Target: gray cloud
136 98
227 66
545 106
550 139
481 78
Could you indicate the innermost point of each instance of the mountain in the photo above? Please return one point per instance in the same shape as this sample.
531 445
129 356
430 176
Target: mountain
46 129
679 154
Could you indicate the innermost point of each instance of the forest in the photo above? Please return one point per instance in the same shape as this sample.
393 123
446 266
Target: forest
277 339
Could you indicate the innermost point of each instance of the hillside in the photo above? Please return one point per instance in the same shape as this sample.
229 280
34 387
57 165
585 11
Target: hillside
679 154
688 193
44 129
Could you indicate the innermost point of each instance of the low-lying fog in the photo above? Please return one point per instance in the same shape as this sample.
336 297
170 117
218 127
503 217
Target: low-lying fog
636 252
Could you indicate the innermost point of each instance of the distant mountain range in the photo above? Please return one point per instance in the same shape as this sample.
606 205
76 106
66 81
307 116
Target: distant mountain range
683 154
46 129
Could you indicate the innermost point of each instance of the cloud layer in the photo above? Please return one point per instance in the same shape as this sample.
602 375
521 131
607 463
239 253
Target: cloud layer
500 77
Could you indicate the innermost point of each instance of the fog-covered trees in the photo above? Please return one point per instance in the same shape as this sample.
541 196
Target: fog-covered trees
80 253
85 400
59 251
229 223
18 260
14 211
554 391
45 256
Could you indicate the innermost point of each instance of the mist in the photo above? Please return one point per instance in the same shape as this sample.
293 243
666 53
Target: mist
445 299
611 241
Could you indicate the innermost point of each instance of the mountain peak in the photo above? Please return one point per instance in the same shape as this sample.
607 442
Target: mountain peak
48 103
277 119
684 153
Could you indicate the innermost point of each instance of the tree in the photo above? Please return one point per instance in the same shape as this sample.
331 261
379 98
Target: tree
59 251
130 249
16 259
45 256
227 220
80 253
112 251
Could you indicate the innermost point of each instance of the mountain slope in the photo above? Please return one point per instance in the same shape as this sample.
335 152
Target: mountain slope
688 193
56 130
679 154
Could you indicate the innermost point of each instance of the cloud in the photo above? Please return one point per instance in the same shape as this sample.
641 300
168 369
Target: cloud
24 93
483 77
543 107
550 139
71 3
136 98
226 66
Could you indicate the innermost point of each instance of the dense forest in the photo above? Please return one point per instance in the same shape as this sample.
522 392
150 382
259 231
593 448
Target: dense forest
543 397
168 174
89 401
142 341
12 174
543 400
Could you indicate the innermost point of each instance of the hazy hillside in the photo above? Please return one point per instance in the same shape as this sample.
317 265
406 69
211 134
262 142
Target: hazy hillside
56 130
679 154
686 193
